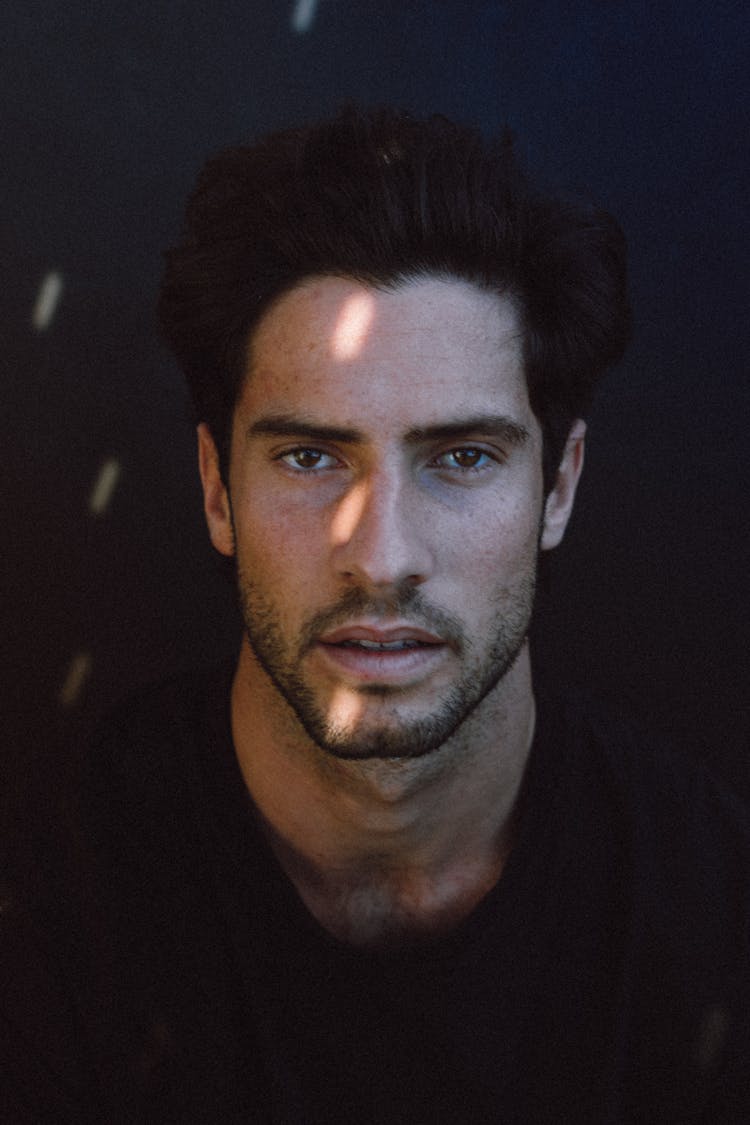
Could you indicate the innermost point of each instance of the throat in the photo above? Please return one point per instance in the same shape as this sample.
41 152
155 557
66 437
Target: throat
379 915
381 909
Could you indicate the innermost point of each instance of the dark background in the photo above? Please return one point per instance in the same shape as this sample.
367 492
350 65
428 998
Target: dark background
109 110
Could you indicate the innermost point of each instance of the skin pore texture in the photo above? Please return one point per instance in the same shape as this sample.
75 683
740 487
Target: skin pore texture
385 509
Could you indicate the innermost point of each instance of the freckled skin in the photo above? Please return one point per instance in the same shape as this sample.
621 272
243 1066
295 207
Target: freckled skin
465 547
384 527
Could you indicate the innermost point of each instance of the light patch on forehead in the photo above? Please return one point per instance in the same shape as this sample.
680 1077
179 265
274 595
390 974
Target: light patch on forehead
447 332
352 325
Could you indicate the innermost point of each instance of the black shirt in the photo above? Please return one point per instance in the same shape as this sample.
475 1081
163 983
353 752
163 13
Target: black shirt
175 975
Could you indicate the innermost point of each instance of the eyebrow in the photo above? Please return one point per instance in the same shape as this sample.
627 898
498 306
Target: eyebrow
493 425
286 425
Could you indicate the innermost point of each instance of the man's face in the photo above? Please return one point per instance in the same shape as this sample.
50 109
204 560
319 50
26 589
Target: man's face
386 508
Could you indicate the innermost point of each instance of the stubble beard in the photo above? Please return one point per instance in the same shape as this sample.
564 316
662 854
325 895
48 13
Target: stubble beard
406 738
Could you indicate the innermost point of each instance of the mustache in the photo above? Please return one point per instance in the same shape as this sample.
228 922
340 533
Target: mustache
407 603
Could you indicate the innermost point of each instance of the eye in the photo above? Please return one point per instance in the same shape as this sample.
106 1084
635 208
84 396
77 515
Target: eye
304 460
466 459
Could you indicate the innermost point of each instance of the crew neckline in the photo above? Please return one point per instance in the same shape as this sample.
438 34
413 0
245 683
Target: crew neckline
271 895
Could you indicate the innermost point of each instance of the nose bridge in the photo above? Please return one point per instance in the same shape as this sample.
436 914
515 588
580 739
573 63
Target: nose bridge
377 532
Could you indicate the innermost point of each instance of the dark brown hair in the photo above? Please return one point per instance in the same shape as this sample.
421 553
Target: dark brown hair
381 197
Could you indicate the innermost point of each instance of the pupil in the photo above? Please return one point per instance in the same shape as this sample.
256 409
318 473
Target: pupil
307 457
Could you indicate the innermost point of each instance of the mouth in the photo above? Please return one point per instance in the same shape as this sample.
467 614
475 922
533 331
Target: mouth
389 656
380 646
377 636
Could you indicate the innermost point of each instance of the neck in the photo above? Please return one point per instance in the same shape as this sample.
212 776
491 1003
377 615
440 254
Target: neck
386 850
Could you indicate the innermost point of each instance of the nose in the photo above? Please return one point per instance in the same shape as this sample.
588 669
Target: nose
379 534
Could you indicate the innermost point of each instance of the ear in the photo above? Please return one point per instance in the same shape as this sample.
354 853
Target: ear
559 504
215 496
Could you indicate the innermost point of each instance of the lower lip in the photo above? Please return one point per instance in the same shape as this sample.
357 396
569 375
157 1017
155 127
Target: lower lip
381 666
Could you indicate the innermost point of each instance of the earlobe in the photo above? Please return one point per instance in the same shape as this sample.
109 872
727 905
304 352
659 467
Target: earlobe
559 504
215 496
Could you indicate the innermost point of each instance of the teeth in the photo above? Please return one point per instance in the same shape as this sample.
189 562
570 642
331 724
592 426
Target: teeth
381 646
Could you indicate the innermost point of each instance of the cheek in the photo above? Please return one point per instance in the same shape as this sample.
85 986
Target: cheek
494 546
277 546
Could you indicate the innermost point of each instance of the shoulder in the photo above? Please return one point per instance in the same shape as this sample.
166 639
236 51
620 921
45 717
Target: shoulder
139 790
643 772
684 855
118 900
656 836
153 736
165 710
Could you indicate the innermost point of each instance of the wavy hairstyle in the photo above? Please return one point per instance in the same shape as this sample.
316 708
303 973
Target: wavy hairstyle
381 197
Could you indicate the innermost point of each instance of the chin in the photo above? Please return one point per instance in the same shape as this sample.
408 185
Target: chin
411 739
383 748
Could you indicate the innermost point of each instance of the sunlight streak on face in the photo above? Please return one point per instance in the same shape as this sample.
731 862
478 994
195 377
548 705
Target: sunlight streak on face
347 517
344 710
374 532
352 325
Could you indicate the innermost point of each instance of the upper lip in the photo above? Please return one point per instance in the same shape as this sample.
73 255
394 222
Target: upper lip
379 636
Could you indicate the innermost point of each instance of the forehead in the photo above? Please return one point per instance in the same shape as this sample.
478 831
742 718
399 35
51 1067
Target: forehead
333 346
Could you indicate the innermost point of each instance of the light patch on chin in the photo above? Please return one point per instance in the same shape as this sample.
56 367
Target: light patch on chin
345 710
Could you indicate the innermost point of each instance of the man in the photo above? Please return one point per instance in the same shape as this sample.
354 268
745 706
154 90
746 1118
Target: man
364 874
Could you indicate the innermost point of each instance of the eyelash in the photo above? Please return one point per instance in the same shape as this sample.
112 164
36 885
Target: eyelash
286 458
489 459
